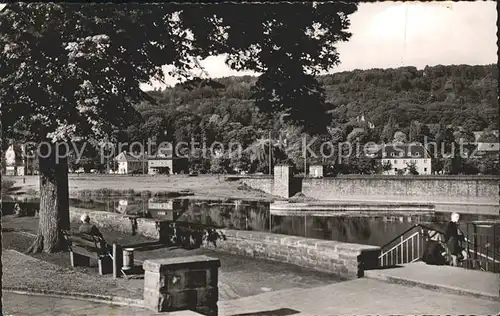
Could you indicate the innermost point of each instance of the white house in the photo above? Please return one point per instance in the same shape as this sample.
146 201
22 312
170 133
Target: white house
401 155
128 164
316 171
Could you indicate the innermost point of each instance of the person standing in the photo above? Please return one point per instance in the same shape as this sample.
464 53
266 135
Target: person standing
452 238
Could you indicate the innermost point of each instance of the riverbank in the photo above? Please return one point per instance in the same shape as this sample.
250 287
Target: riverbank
199 187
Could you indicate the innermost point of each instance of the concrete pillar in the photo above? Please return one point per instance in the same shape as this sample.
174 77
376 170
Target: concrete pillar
281 183
182 283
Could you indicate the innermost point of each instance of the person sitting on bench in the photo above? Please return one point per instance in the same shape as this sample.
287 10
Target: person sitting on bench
89 229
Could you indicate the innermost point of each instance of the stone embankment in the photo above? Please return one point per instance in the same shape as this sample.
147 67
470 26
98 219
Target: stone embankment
342 259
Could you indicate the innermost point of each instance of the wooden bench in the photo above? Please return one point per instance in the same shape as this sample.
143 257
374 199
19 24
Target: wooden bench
86 250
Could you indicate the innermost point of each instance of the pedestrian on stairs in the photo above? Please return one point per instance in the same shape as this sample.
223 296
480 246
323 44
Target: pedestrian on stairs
452 238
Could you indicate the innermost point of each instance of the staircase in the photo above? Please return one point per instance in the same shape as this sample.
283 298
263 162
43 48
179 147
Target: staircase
481 247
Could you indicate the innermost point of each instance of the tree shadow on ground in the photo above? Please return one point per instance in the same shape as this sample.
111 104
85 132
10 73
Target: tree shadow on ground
276 312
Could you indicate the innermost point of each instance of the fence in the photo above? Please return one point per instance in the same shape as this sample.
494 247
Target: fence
482 243
483 246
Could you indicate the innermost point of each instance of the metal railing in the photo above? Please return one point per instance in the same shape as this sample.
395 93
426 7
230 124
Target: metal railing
407 247
481 247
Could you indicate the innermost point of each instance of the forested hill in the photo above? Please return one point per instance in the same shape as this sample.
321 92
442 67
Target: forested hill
460 95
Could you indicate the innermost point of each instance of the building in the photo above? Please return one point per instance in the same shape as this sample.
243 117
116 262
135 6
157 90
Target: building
401 155
478 134
14 164
130 164
487 150
316 171
169 210
165 162
160 165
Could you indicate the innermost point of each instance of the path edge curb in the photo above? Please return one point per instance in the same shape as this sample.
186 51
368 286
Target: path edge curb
106 299
430 286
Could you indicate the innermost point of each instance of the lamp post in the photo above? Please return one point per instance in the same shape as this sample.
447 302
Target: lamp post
270 153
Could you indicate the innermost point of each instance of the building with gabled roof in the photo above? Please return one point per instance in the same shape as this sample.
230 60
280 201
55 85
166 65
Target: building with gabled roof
130 163
401 155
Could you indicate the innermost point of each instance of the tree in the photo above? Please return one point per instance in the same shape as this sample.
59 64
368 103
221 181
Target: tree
463 137
412 168
401 172
418 132
73 70
220 164
399 138
389 130
437 165
386 166
297 41
488 137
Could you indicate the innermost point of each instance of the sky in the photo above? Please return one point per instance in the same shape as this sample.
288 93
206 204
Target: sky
442 32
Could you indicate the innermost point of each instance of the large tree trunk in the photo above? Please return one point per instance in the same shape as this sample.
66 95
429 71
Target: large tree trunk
54 202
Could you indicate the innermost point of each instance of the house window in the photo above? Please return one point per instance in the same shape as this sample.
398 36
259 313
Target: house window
392 154
395 161
409 154
417 154
401 154
425 160
425 169
396 169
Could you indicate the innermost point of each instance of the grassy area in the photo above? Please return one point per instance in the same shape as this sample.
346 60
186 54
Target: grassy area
203 186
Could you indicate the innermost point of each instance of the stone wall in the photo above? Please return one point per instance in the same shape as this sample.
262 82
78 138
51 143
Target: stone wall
182 283
474 189
262 183
280 184
343 259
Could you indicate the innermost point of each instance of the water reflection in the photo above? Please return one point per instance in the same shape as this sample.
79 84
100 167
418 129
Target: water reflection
249 215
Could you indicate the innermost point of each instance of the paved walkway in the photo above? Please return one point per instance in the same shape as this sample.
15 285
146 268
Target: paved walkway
357 297
446 278
361 297
27 305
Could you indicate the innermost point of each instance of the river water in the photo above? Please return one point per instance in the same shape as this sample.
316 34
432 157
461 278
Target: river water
249 215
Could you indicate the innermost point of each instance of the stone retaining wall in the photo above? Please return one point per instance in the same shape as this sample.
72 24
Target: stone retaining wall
343 259
428 189
264 184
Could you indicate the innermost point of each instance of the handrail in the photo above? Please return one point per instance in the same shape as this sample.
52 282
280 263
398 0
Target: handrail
408 230
401 242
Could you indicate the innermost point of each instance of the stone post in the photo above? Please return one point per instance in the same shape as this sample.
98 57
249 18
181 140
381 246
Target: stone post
182 283
281 183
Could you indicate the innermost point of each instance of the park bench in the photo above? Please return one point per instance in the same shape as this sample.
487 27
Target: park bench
86 250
